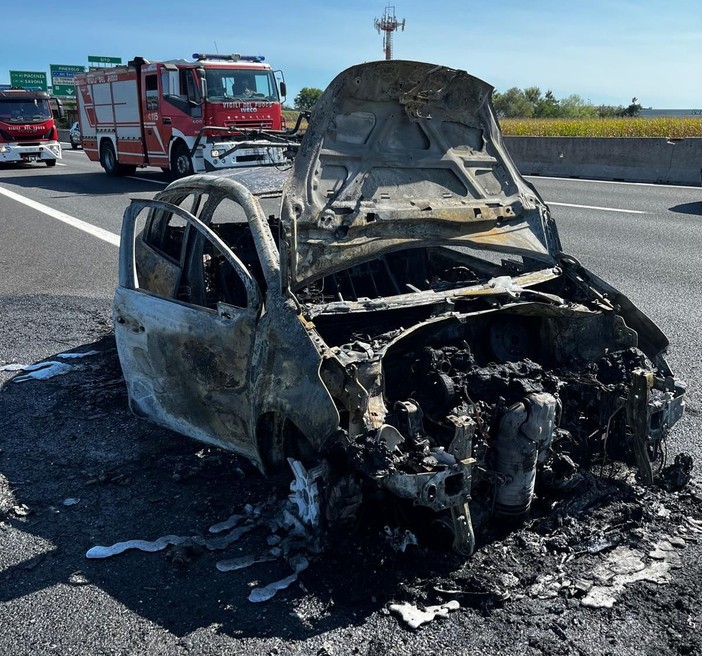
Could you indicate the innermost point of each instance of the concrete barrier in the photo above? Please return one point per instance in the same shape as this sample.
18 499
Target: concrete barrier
675 161
633 159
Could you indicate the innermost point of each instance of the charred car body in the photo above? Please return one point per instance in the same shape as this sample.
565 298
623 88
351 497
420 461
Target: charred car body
404 315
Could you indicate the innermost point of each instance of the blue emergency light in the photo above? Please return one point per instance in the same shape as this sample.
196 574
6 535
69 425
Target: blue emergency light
249 58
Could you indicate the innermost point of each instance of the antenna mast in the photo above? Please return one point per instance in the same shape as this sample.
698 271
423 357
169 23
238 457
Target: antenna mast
388 24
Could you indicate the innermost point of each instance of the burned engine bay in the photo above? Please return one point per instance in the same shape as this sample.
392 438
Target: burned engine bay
470 359
491 390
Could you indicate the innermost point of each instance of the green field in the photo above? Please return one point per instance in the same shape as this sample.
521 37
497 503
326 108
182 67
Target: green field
290 117
664 126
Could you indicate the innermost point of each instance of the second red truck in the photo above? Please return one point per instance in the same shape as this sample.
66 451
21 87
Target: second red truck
219 111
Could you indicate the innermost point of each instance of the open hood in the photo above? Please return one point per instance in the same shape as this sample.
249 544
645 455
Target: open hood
402 154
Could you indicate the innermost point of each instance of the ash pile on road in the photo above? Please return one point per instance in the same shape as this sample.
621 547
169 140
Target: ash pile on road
614 550
556 551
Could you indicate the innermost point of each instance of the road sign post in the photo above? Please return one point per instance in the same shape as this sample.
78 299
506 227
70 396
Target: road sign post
29 79
94 59
62 79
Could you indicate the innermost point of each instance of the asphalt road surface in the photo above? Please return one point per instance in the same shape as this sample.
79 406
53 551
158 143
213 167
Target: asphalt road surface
59 233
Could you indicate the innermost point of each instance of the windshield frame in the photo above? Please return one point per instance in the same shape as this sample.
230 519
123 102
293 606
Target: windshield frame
235 85
24 110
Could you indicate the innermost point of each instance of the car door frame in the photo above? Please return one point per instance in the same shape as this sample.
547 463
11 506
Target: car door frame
165 381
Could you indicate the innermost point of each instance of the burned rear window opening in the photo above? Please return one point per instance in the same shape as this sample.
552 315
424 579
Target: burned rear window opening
393 317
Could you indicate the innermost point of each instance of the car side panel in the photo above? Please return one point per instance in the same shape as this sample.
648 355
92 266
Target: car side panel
188 368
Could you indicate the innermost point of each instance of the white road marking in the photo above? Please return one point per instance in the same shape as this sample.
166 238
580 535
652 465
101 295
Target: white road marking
136 177
593 207
114 239
611 182
100 233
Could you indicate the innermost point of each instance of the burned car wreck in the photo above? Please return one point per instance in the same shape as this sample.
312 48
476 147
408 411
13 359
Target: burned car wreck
395 313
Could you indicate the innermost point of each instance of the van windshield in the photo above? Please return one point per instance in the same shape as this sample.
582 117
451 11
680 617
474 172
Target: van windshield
16 110
228 84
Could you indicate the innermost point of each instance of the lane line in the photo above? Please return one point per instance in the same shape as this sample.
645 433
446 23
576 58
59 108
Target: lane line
136 177
585 207
611 182
100 233
593 207
112 238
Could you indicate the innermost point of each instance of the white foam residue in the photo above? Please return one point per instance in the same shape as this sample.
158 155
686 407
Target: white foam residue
398 539
161 543
227 524
243 562
44 371
506 285
47 369
414 617
13 367
142 545
84 354
258 595
304 492
224 541
624 566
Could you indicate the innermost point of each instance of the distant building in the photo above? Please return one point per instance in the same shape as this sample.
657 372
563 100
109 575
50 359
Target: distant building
679 113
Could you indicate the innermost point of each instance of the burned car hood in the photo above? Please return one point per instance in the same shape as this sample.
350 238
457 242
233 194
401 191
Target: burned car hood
402 154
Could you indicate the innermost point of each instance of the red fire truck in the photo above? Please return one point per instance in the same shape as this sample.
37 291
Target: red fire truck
219 111
27 128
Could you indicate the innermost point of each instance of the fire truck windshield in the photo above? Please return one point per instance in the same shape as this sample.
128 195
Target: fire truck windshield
21 110
228 84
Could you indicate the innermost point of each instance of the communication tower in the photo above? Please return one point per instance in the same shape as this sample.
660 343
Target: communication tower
388 24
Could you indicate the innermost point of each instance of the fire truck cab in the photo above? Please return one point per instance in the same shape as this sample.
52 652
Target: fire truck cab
219 111
27 127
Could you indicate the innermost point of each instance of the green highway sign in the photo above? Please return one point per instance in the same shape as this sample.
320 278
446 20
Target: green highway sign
93 59
28 79
62 79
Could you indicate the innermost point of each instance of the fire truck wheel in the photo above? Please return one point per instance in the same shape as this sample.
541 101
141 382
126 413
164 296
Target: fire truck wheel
181 164
51 162
108 159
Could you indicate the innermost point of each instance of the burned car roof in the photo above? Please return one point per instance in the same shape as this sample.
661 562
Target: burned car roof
404 324
259 180
404 152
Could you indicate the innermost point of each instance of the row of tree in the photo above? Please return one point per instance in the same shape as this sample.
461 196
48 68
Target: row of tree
518 103
530 103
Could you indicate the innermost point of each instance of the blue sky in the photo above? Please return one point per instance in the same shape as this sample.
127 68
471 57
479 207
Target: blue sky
606 51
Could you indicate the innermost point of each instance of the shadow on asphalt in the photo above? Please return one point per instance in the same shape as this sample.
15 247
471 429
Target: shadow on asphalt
77 470
694 208
82 183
